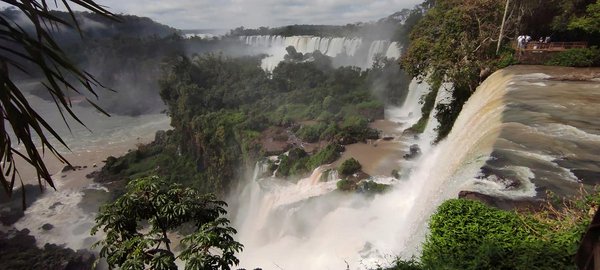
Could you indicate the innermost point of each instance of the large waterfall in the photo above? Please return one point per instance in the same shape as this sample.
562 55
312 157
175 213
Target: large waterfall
518 126
330 46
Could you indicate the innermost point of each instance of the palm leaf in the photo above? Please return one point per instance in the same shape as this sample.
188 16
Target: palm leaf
44 55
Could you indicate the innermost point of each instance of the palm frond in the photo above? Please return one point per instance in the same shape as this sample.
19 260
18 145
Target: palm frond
42 54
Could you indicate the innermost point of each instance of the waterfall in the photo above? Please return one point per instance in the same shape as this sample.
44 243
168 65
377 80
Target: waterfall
509 125
410 111
332 47
393 51
444 94
377 48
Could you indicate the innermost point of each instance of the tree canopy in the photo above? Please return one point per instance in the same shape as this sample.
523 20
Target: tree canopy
138 224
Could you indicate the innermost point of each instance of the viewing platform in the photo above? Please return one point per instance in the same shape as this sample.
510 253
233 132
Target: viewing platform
535 53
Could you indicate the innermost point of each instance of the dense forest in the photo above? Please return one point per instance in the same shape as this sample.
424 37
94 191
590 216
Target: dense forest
228 112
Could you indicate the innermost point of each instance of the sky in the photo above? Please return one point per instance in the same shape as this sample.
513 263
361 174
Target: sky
227 14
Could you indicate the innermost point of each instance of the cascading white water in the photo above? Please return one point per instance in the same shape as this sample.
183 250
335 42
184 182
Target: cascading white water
410 112
336 230
444 95
393 51
378 47
72 208
332 47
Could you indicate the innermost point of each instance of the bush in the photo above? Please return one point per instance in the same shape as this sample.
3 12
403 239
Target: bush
349 167
311 133
470 235
327 155
345 185
583 57
371 187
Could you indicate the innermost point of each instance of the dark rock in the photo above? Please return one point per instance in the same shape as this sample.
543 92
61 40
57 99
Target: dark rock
52 207
414 152
387 138
502 203
11 208
47 227
68 168
18 251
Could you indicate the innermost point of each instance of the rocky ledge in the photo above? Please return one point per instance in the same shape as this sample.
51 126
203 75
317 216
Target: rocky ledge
18 251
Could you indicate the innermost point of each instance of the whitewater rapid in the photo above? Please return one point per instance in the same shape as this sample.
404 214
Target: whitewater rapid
334 230
72 208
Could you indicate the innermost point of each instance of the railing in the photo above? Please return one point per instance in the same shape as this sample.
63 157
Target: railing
552 46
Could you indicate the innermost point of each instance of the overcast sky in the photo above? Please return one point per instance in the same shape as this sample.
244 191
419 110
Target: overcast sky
227 14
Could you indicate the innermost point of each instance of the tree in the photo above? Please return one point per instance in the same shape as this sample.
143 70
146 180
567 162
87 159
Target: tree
31 49
590 22
138 223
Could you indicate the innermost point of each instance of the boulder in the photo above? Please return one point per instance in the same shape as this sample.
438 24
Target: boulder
414 152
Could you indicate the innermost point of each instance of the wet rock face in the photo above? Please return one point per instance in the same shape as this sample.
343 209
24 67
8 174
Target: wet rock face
414 152
501 203
11 207
18 251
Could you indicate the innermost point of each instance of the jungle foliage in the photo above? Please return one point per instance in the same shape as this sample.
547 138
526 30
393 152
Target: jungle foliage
467 234
455 41
219 107
138 223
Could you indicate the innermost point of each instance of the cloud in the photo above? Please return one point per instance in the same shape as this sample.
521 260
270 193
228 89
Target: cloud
225 14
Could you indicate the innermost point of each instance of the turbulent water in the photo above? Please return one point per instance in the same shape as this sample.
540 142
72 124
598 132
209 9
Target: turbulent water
72 208
360 53
519 133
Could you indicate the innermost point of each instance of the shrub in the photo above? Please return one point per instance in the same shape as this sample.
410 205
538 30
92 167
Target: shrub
345 185
311 133
350 166
581 57
470 235
327 155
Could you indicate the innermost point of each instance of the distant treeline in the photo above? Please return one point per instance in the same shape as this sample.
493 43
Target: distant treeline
395 27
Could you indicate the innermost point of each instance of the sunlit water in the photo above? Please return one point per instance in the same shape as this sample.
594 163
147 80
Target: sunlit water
309 226
71 209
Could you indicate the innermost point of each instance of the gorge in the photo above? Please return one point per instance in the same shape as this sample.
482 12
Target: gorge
334 147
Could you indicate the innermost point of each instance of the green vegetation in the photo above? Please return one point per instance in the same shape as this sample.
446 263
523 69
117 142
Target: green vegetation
455 41
467 234
349 167
371 187
137 226
584 57
345 185
589 22
220 108
428 103
398 23
32 42
297 162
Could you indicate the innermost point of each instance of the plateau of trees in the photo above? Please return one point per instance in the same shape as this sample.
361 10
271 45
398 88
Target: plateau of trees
220 107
